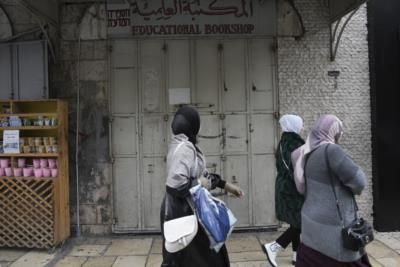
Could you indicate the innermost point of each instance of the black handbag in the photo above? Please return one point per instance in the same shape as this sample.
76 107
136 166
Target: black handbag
359 232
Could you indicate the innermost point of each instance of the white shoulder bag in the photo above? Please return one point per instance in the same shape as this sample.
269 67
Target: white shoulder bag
178 233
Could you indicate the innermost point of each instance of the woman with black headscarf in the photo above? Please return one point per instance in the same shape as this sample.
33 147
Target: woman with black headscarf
185 168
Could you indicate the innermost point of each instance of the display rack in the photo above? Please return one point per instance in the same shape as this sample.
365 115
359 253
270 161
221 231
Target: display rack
34 210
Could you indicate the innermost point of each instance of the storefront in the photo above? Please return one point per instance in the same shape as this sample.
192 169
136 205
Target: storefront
127 65
222 61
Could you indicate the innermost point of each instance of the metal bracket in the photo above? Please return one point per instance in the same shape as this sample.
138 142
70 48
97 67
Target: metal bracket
296 10
336 31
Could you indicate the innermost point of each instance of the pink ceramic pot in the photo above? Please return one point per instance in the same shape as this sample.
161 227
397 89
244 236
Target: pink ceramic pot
43 163
8 171
38 173
46 172
54 172
52 163
2 172
36 163
27 172
21 162
4 163
17 172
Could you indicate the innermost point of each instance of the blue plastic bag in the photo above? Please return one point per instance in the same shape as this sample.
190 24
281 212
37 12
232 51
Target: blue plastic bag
212 213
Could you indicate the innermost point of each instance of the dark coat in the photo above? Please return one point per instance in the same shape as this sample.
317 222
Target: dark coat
198 252
288 201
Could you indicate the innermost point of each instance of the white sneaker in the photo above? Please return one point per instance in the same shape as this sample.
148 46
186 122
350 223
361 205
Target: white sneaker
271 250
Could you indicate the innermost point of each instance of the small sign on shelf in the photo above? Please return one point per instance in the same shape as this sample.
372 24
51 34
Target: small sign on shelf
11 142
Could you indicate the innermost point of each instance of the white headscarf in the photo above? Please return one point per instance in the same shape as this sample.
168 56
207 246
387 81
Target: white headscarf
291 123
326 130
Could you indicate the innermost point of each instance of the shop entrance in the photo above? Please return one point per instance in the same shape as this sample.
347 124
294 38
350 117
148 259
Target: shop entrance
231 83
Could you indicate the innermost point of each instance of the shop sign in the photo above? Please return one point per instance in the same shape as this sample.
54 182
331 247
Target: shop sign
146 18
119 19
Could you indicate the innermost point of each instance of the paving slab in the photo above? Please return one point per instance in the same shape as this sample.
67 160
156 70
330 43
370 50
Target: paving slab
242 243
154 260
374 263
247 256
284 261
250 264
100 262
94 241
389 240
157 246
71 262
130 261
390 262
378 250
9 254
88 250
34 259
126 247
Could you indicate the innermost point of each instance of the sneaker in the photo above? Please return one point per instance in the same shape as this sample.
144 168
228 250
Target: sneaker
294 258
271 250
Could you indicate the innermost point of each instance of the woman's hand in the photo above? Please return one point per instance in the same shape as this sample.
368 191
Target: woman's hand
234 190
205 182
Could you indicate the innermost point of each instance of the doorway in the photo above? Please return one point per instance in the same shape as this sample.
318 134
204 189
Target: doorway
232 85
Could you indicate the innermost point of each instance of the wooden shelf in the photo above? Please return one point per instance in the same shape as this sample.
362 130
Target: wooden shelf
30 128
35 211
30 155
27 101
25 115
29 178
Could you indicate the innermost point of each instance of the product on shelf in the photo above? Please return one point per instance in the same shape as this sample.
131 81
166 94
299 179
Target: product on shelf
21 162
27 172
17 121
25 167
4 163
8 171
14 121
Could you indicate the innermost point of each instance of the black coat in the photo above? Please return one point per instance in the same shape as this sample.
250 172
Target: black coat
288 201
198 252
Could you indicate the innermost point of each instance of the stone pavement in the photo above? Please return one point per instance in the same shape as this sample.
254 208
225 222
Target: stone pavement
144 251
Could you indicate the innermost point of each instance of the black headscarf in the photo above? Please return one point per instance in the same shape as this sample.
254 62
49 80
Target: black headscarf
186 121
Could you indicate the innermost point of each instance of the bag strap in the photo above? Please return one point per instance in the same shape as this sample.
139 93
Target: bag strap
283 159
334 191
188 199
332 184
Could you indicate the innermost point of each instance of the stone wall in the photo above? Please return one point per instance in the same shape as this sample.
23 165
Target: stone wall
306 89
86 61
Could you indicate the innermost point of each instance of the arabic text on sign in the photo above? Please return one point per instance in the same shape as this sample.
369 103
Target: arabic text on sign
194 8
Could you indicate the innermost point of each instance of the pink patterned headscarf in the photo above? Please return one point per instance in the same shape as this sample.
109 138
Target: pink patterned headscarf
326 130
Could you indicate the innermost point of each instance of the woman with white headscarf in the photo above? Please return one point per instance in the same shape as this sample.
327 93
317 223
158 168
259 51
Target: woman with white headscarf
322 166
288 201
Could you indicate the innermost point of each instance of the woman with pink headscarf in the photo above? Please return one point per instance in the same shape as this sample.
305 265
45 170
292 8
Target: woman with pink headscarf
321 165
